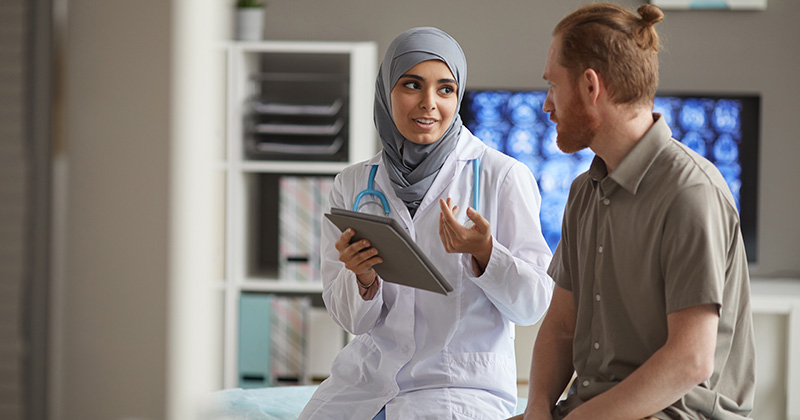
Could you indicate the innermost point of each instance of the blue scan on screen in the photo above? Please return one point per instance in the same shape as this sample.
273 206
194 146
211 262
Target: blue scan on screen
723 129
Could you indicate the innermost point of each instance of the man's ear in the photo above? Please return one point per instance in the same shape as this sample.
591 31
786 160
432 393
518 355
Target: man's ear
591 85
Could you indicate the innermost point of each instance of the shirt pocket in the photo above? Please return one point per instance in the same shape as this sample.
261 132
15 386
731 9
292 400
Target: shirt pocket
486 370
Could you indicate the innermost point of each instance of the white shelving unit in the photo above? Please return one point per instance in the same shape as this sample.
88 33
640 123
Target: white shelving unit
778 298
351 65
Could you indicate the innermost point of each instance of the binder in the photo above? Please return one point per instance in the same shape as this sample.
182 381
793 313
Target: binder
403 262
255 312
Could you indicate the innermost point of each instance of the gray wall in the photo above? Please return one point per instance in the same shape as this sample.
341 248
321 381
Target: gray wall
116 124
705 51
14 207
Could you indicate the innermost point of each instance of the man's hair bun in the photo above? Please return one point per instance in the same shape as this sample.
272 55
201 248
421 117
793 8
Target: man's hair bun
650 14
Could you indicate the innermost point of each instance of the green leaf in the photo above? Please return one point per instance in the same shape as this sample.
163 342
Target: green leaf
249 3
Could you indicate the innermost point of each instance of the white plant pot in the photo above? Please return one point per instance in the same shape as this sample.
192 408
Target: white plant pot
250 23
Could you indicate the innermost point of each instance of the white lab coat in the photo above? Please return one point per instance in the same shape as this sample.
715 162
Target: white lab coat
422 354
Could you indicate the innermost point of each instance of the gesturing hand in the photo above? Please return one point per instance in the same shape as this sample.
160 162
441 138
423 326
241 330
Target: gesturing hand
475 240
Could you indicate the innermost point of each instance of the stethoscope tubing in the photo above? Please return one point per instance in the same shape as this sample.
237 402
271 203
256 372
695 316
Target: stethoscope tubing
372 191
476 165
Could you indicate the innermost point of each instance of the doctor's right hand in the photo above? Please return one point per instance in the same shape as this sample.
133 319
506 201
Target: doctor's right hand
359 257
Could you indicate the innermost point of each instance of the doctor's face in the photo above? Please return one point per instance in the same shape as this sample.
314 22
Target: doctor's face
424 102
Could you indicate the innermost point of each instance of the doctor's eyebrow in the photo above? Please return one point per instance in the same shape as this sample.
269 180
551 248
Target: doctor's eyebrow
422 79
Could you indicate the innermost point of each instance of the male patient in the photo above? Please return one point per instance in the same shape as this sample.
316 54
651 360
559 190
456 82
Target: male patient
651 308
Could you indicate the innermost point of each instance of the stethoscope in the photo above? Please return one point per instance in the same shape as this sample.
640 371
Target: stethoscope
476 165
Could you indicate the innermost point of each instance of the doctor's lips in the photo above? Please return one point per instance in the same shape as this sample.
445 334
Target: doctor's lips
425 122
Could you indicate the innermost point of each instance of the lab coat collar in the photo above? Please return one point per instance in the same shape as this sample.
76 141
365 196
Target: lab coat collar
398 211
467 149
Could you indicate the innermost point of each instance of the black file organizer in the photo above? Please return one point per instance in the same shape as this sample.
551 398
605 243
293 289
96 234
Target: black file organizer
299 108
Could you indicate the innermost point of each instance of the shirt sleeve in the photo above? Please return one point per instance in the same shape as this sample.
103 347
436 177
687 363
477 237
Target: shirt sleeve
340 291
565 256
515 280
694 247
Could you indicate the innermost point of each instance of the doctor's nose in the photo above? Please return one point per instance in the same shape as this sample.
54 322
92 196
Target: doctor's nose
428 101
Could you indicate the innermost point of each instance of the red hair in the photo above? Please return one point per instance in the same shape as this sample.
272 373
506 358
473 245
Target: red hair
620 46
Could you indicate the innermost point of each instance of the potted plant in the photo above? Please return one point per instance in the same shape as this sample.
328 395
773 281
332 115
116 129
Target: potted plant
250 20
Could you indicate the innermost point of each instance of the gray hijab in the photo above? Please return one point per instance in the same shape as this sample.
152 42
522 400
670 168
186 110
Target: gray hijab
413 167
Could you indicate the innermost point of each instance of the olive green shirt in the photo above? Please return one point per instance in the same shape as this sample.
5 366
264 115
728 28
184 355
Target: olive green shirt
659 234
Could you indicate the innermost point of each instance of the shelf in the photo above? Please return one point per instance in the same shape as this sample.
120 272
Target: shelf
300 129
292 167
774 296
299 77
300 47
295 149
294 110
781 297
279 286
297 109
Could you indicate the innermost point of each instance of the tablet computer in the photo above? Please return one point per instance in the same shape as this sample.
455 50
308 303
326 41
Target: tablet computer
403 261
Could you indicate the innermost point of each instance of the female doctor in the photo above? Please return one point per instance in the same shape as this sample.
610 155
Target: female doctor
418 354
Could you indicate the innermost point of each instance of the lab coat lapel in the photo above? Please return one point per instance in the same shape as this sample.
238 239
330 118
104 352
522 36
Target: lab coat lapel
466 150
443 180
398 208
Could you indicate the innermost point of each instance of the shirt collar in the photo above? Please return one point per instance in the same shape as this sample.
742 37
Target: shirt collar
634 165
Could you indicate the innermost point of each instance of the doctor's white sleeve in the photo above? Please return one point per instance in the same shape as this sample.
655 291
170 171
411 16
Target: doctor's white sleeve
339 288
516 279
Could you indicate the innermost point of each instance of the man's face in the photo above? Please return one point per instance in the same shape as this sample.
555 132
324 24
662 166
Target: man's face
576 128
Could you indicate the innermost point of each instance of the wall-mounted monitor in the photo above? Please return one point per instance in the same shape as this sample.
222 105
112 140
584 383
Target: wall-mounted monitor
711 4
723 128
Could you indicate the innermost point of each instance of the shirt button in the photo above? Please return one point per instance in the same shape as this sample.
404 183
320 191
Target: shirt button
600 249
596 345
585 383
606 201
597 297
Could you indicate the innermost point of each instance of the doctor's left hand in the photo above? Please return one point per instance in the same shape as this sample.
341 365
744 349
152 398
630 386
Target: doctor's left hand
475 240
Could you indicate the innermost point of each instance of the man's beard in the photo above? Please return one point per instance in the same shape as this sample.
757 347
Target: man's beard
577 128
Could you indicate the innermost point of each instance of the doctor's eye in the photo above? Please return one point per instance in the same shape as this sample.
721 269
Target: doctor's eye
411 84
447 89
